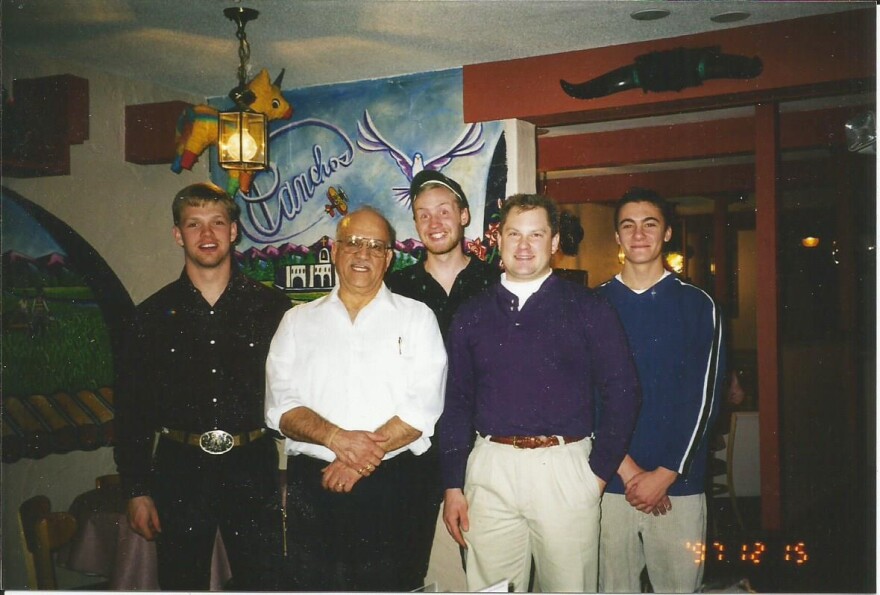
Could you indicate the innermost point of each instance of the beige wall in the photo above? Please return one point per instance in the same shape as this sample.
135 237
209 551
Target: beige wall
123 211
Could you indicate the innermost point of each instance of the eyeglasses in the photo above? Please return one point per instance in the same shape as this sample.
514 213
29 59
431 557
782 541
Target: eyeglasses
354 244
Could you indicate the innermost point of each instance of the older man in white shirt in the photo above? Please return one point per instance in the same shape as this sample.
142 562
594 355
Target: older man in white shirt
355 381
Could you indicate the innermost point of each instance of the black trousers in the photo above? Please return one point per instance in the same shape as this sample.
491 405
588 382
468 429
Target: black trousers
371 539
196 493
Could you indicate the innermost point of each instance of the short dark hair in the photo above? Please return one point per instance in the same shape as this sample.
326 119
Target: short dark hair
527 202
644 195
196 195
392 236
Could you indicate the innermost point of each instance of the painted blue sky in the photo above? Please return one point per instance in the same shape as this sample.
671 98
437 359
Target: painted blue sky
22 233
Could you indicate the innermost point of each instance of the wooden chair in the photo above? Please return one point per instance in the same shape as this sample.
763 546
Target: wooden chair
43 532
103 482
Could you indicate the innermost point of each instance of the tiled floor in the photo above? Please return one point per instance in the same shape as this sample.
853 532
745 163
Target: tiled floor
837 554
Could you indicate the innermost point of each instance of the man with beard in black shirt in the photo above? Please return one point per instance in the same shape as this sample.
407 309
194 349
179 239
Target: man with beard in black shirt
194 371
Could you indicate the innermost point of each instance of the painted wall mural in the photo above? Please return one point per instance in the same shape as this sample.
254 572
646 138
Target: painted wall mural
63 315
357 144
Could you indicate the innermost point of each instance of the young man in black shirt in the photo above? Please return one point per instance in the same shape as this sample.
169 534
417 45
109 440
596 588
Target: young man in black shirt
193 370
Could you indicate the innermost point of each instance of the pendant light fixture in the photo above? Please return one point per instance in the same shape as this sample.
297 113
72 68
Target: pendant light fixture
243 141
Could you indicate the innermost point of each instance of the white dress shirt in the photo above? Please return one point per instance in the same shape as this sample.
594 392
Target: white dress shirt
390 361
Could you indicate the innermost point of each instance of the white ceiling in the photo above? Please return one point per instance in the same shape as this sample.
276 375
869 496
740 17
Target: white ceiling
190 46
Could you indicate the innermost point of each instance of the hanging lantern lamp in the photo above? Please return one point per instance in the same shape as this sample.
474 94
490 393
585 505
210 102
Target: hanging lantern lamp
243 140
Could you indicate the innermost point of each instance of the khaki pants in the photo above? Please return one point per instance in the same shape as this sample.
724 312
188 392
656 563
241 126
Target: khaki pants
541 502
669 545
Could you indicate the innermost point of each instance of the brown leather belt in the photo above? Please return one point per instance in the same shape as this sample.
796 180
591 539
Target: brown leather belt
534 441
215 442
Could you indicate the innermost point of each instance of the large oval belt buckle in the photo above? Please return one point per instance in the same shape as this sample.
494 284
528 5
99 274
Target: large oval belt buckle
216 442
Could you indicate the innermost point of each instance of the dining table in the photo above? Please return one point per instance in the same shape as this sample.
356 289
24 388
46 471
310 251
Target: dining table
106 546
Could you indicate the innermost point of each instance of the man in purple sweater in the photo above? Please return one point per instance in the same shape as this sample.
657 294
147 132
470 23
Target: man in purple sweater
533 362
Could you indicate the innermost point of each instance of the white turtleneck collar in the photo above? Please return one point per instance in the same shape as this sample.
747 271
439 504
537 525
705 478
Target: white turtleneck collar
523 289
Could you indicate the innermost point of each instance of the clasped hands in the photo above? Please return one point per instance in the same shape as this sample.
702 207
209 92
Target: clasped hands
358 454
646 491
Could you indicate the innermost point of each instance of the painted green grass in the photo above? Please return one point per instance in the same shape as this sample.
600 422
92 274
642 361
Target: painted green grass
301 298
73 353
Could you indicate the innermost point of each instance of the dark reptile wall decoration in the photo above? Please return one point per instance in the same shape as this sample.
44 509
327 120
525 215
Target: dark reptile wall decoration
670 70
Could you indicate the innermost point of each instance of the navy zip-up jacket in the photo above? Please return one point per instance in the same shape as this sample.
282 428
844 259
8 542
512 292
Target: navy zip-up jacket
675 334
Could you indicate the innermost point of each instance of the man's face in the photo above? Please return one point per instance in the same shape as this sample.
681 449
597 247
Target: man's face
526 244
439 221
206 235
641 232
360 268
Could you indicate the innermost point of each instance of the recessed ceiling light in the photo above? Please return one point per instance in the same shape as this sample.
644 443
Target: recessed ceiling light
650 14
730 17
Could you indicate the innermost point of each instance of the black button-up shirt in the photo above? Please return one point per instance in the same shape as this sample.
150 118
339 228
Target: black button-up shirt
417 283
194 367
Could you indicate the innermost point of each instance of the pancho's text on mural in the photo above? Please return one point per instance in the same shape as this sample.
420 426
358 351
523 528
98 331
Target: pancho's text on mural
268 209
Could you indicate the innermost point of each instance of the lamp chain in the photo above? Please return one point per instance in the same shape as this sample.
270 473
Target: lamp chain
244 53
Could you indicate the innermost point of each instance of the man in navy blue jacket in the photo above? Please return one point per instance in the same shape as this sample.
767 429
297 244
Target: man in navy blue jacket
654 510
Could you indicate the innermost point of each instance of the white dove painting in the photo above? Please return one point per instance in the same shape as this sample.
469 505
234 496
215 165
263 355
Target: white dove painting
371 140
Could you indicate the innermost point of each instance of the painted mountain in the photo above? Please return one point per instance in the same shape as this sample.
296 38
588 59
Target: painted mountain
261 264
51 270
